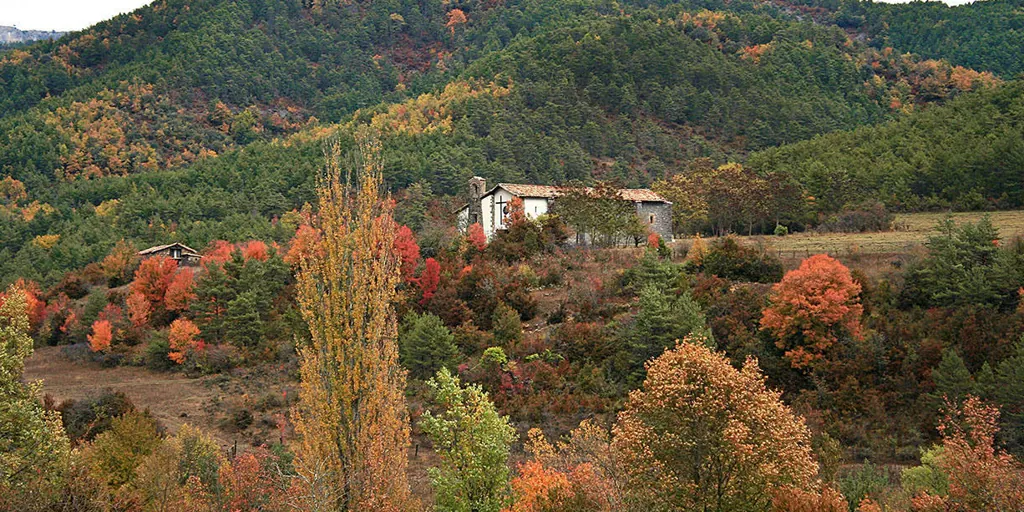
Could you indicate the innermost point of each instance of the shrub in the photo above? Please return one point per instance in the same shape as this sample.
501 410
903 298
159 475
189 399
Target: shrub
858 219
86 418
156 353
727 259
508 329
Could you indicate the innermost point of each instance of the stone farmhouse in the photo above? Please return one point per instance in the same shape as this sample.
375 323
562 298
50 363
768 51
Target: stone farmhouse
489 207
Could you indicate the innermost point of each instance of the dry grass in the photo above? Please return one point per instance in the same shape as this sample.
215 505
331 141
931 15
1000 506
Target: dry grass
911 230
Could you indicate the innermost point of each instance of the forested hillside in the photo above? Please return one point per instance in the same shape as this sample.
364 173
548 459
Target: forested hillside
176 122
986 35
967 155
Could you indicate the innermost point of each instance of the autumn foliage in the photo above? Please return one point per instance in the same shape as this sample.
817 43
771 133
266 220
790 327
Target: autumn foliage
429 280
183 337
102 335
699 420
351 381
181 291
409 252
476 236
981 477
153 278
811 307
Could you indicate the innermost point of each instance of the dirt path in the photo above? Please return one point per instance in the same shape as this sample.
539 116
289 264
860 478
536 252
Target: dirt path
172 398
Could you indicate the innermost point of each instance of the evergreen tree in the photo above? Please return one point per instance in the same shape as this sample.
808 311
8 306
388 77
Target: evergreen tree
952 379
214 291
662 321
507 327
1010 397
426 345
244 325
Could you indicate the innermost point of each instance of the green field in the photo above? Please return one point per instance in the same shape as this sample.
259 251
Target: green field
909 232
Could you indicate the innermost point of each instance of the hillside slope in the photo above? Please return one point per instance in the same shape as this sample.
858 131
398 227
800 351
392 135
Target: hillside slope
968 154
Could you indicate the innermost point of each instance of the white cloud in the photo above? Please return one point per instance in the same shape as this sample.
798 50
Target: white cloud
62 15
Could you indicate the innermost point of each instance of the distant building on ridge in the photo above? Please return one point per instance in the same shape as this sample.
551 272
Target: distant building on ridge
489 207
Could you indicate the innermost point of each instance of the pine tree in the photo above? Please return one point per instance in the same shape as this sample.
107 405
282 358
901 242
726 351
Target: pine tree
243 321
1010 397
661 321
426 345
952 379
213 293
352 415
507 327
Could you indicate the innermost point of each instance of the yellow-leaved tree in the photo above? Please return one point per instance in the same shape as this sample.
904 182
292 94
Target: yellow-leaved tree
352 415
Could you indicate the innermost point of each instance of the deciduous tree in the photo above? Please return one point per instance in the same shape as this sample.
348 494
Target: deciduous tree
102 335
811 307
473 441
352 415
702 435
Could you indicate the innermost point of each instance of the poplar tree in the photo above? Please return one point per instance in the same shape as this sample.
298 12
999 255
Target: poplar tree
351 415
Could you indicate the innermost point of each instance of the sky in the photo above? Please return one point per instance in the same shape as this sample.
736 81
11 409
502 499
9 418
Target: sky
65 15
62 15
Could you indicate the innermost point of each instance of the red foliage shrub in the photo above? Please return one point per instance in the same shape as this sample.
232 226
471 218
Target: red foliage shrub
429 279
409 251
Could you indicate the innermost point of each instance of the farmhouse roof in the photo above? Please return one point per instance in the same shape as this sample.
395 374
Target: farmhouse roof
645 195
186 250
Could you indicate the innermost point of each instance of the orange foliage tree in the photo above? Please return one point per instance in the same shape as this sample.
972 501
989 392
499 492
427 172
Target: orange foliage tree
455 17
811 307
352 417
181 291
303 243
119 262
102 335
255 250
138 310
217 252
153 277
702 435
183 338
581 473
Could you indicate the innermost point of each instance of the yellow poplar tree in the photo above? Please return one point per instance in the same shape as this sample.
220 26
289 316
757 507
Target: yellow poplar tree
352 415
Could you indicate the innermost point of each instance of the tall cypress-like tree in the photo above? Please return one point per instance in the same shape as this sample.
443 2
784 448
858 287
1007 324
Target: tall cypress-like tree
352 414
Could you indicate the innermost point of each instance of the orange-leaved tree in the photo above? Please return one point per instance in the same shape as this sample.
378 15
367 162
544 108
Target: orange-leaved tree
811 307
153 277
102 335
181 290
183 338
352 416
702 435
138 310
477 237
409 252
